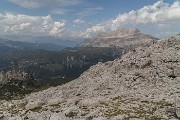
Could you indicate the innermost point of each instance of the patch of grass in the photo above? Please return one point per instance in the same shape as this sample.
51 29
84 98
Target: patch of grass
145 109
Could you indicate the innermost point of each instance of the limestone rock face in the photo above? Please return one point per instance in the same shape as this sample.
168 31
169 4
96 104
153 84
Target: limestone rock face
55 101
5 77
124 38
14 82
33 105
1 115
58 116
91 102
143 84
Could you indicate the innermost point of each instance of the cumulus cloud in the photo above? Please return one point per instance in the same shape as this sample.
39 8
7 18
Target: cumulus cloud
93 30
56 29
31 25
158 14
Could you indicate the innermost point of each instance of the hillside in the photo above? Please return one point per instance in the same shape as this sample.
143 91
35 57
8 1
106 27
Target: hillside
143 84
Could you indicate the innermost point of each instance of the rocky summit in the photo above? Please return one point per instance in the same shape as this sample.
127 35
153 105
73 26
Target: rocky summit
143 85
123 38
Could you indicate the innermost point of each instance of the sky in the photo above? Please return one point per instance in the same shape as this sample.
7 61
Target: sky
80 19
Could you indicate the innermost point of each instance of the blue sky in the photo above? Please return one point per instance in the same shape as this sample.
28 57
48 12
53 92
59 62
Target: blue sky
69 19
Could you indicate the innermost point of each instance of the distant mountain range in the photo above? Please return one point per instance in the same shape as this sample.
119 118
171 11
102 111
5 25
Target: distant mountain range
44 39
7 45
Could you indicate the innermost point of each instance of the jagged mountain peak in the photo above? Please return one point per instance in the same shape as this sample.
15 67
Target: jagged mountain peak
119 38
119 33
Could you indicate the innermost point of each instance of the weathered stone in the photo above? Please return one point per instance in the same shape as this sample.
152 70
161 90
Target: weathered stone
15 118
119 117
71 112
56 101
90 102
58 116
100 118
33 105
177 106
1 116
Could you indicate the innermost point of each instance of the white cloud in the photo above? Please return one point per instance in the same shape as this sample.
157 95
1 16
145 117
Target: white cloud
93 30
158 14
79 21
44 3
30 25
57 29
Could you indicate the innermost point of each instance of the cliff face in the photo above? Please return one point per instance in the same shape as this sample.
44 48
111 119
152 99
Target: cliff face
120 38
143 84
13 83
5 76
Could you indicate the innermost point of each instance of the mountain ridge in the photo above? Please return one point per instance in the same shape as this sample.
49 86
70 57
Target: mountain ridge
143 84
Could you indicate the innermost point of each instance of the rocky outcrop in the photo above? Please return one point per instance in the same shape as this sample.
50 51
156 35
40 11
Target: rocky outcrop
9 75
123 38
143 84
14 82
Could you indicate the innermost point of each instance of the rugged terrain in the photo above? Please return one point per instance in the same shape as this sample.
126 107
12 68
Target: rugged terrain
143 84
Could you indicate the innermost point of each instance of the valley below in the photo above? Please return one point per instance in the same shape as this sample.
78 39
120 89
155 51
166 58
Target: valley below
47 68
